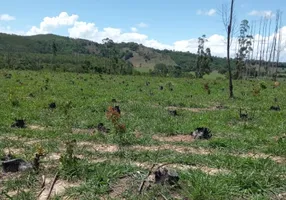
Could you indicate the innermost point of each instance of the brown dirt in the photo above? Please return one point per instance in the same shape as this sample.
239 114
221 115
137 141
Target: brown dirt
36 127
180 149
175 138
120 187
27 141
9 176
33 142
15 192
53 156
99 147
83 131
281 196
59 188
14 150
6 137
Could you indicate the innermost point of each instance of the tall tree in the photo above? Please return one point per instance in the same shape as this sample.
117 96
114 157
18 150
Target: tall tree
245 47
204 58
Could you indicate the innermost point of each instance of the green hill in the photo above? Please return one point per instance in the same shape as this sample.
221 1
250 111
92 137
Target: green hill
53 51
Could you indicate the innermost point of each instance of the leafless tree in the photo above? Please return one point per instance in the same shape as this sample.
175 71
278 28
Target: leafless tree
279 13
229 24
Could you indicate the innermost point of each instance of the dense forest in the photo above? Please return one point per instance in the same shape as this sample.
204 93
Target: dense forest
60 53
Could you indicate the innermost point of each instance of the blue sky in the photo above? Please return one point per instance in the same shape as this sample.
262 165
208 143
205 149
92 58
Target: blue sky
155 23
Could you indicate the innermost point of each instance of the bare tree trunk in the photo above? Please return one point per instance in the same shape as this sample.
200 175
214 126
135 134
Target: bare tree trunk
264 41
229 28
268 45
262 44
279 44
275 41
259 33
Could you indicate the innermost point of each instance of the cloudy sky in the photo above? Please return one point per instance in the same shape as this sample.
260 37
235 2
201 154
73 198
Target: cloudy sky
162 24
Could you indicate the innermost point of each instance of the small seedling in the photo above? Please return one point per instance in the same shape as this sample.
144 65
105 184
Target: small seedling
38 155
113 114
69 162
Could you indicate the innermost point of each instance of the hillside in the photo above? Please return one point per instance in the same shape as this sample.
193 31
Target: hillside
137 55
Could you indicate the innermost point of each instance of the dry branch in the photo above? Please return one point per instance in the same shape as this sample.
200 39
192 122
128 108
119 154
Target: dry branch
52 186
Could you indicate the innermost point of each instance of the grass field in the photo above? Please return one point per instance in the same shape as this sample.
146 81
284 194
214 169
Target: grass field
245 158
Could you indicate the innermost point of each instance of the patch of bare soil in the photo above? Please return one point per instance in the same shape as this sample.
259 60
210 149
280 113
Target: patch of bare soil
16 192
27 141
175 138
99 147
57 156
277 159
13 151
59 188
12 138
36 127
180 149
89 131
52 156
9 176
97 160
281 196
120 187
33 142
212 108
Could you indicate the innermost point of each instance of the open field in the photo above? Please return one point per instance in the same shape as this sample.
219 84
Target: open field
244 159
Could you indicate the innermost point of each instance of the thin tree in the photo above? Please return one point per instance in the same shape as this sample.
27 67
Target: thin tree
245 47
258 42
268 44
279 13
228 21
264 41
275 40
229 29
204 58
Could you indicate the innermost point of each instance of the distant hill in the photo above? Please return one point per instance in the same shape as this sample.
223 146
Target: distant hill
138 55
46 51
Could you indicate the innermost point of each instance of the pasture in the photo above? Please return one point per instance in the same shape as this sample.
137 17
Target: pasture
244 159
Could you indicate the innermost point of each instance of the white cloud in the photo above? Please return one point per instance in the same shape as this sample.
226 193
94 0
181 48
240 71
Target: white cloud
210 12
6 17
50 23
89 30
142 25
262 13
134 29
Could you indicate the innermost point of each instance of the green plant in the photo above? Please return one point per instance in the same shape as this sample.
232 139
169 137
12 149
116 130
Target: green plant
69 165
